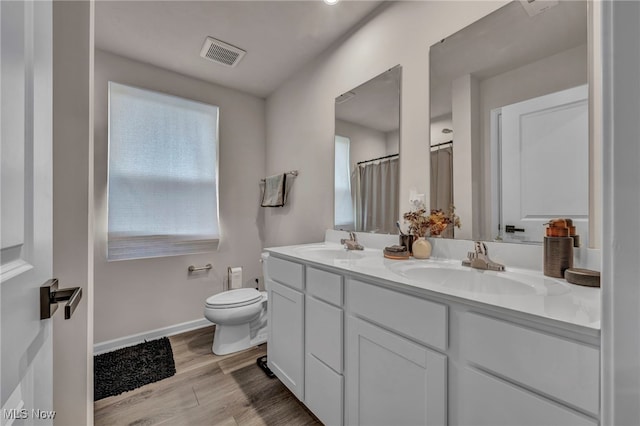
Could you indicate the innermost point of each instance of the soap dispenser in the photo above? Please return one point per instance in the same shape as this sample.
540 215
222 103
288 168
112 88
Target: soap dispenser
558 248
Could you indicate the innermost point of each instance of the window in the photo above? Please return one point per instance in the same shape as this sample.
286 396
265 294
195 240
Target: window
163 169
343 202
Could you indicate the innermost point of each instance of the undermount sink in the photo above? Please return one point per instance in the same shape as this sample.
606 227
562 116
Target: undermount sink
331 253
478 281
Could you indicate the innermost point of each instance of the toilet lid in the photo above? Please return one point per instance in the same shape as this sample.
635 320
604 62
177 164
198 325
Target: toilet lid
234 298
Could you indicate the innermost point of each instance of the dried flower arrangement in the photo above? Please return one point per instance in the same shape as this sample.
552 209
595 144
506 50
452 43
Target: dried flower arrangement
435 222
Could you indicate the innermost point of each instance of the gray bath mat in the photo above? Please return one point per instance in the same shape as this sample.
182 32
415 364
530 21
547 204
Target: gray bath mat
129 368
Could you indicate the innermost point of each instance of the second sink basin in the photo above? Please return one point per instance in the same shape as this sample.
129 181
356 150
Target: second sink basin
477 281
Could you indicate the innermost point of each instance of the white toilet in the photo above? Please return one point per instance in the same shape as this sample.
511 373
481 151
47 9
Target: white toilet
240 317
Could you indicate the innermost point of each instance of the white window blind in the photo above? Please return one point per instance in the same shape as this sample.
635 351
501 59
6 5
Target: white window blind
163 169
343 202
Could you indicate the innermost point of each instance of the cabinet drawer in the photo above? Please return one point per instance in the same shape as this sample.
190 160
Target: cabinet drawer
323 330
324 285
488 401
286 272
558 367
323 392
412 316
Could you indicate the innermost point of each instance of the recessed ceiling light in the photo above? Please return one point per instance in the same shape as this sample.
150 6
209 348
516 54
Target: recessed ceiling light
331 2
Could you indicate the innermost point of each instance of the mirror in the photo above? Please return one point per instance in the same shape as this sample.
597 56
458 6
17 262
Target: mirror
367 143
510 121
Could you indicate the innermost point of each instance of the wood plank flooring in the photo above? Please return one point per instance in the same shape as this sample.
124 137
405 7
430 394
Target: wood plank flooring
207 389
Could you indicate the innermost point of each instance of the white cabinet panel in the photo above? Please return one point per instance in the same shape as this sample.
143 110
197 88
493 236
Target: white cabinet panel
487 401
323 391
323 331
324 285
285 350
285 272
391 380
561 368
415 317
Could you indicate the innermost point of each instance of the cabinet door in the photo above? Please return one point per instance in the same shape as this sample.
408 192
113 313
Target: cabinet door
323 391
486 400
285 349
391 380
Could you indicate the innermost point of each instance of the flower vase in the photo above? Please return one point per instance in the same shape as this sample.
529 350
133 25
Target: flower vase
421 248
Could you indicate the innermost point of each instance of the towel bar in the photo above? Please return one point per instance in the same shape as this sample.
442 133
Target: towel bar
200 268
292 172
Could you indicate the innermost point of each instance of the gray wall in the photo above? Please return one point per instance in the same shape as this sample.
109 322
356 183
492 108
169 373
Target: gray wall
135 296
73 208
365 143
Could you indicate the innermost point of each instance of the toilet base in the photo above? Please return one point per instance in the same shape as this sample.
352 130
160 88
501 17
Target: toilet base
230 338
233 338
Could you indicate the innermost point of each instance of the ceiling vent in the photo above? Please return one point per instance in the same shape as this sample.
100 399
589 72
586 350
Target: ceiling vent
221 52
345 97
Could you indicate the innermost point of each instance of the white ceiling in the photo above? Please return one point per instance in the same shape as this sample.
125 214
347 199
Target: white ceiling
279 36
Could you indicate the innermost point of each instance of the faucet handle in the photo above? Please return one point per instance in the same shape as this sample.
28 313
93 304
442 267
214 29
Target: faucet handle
481 248
478 247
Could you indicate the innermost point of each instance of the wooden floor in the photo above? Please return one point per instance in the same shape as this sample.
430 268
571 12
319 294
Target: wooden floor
207 390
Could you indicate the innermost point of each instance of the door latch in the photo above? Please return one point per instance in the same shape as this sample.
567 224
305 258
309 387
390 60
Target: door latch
50 296
510 229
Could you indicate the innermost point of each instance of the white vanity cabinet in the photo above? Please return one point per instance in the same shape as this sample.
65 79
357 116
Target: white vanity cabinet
306 326
360 350
285 349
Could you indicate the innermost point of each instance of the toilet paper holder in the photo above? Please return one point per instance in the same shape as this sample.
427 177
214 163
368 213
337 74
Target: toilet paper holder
200 268
234 277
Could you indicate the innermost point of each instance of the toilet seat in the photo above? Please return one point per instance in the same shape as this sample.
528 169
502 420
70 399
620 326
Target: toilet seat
234 298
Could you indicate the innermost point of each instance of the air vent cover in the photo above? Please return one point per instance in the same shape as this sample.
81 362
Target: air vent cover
344 97
221 52
535 7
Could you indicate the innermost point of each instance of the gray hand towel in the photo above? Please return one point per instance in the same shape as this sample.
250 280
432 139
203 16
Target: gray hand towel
274 191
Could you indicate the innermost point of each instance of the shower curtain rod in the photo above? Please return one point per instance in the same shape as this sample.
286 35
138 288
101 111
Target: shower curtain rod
379 158
438 145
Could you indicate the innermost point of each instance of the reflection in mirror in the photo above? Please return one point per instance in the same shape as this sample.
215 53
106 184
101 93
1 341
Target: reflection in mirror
509 122
367 143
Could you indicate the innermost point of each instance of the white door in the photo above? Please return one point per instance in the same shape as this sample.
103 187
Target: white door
545 164
25 205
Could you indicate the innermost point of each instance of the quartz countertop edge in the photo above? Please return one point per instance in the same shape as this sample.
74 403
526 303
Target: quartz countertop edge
575 308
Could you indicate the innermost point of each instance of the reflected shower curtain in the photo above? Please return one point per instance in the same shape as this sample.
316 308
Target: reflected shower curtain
442 182
375 196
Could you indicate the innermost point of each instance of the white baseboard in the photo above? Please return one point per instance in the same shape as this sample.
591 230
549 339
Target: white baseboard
122 342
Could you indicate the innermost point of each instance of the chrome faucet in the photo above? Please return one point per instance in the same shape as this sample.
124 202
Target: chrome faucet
352 242
479 259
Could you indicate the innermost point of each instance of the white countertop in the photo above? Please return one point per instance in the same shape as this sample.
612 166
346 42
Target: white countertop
518 290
